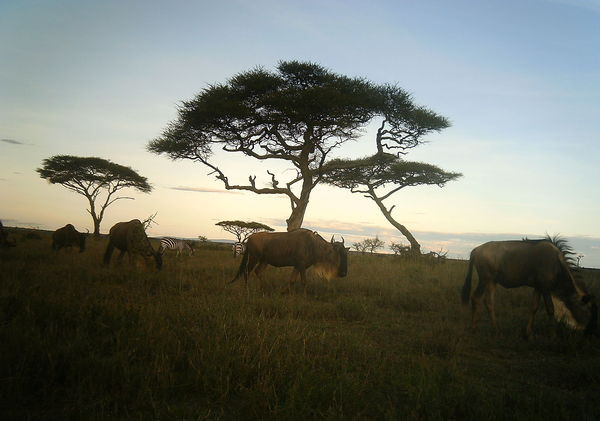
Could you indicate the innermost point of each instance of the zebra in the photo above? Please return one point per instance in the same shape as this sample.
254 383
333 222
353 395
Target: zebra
174 244
238 249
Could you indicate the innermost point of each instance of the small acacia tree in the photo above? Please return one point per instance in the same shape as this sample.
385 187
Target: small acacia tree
296 115
374 244
360 246
242 230
97 179
370 177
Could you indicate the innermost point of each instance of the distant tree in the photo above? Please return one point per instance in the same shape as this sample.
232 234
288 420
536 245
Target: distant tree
370 176
242 230
202 239
360 246
399 249
297 115
374 244
95 178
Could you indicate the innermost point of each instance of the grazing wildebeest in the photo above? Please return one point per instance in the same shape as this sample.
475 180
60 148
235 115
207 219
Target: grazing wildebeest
540 264
300 249
130 237
68 236
4 241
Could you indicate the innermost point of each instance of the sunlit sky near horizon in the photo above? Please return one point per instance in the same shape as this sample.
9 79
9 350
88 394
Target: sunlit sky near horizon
519 81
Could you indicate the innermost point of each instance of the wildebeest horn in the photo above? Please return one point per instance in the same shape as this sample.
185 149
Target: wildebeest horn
332 239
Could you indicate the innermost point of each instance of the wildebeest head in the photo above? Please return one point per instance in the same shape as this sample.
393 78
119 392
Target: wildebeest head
574 306
342 255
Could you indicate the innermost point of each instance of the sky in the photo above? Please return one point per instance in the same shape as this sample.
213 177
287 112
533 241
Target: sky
518 80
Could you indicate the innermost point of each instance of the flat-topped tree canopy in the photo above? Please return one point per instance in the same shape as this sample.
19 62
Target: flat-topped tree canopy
242 229
91 177
298 113
371 175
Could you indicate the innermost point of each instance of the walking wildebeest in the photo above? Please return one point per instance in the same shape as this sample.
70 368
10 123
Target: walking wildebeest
300 249
131 237
68 236
540 264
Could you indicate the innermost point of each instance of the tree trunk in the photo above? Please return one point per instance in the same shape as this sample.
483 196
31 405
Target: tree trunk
95 218
297 216
415 247
96 226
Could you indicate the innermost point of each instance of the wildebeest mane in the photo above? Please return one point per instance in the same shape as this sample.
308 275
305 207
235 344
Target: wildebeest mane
561 244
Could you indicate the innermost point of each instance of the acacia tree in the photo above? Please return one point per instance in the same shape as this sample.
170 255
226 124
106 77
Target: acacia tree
371 176
97 179
242 230
296 115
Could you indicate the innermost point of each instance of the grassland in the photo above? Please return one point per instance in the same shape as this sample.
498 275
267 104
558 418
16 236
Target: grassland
390 341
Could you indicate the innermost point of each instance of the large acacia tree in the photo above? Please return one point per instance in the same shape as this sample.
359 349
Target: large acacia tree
380 176
297 114
97 179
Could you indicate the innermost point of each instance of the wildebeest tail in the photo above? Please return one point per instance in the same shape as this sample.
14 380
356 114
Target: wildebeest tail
466 290
243 266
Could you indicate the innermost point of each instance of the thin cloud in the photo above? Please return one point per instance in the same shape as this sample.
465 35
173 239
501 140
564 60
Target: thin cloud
12 141
204 190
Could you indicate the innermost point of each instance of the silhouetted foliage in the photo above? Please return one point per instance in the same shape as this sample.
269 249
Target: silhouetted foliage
297 114
91 177
370 176
242 230
369 244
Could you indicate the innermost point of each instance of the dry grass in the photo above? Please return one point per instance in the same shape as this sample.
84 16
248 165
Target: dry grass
78 340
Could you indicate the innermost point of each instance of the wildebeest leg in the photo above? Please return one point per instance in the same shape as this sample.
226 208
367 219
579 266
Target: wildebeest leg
259 270
252 261
108 253
534 309
549 304
302 275
476 299
489 303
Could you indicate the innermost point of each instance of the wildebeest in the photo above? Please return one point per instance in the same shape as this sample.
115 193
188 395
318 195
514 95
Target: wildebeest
4 241
131 237
68 236
300 249
540 264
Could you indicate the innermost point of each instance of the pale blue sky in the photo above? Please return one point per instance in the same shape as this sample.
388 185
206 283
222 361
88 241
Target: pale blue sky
519 80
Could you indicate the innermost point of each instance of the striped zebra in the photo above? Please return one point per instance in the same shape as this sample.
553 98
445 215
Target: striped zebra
174 244
238 249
